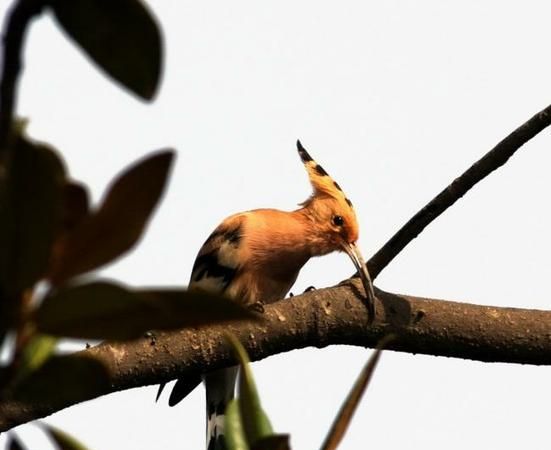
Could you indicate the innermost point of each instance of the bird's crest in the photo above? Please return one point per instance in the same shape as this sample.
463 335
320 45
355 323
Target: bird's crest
322 183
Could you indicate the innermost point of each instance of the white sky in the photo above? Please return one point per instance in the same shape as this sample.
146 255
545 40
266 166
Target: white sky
395 99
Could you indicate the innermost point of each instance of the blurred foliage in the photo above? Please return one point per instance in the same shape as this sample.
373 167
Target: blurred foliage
107 310
247 423
116 226
50 235
248 426
273 442
342 421
33 356
13 443
62 379
59 438
30 208
120 36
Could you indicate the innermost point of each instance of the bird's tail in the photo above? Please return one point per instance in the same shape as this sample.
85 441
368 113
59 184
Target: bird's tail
220 387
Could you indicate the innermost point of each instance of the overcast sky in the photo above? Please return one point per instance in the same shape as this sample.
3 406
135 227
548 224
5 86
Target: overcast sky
395 99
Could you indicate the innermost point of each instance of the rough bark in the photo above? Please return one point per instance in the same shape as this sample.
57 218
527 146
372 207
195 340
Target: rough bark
317 319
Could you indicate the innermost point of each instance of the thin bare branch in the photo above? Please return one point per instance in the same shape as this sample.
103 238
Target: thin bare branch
491 161
325 317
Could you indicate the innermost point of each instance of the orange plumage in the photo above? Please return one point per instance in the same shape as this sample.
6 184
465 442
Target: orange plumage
255 256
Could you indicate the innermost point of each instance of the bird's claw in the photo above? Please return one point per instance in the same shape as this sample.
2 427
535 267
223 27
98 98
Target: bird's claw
309 289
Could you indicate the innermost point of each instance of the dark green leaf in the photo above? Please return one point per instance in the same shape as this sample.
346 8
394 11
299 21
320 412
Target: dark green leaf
273 442
14 443
190 308
62 440
102 310
342 421
255 421
182 388
120 36
30 207
63 380
76 205
119 222
234 432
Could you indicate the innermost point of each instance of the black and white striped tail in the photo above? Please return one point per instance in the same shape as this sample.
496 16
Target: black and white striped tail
220 387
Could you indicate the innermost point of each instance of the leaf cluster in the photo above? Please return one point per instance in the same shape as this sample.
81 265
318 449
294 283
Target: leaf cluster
248 426
52 240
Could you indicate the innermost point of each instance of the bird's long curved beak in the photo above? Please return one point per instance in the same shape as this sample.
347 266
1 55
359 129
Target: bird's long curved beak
352 250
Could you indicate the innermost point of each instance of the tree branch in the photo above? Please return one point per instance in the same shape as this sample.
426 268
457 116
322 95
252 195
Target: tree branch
491 161
325 317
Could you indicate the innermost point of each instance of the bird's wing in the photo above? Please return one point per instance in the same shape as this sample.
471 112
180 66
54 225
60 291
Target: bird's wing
216 268
218 261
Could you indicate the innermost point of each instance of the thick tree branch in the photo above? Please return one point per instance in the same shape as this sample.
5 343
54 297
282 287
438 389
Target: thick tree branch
491 161
321 318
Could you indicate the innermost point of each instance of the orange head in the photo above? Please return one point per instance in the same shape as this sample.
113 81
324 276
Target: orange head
333 222
328 207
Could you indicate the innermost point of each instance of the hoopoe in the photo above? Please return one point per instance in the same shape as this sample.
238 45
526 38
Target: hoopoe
255 257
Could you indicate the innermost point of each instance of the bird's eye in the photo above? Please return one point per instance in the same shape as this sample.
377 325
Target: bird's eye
338 221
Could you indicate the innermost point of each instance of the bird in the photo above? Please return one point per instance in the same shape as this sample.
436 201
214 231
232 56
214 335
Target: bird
254 258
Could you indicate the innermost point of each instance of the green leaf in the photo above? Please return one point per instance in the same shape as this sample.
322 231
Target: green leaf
34 355
342 421
255 421
102 310
234 431
119 222
63 440
120 36
30 207
273 442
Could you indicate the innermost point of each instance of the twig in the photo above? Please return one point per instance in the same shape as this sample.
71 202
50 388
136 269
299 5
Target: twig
320 318
17 20
494 159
